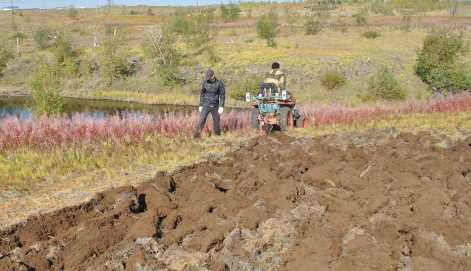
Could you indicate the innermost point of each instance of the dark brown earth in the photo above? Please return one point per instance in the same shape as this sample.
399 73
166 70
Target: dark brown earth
381 201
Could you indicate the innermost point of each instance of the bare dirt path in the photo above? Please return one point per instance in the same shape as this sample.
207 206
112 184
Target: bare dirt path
381 201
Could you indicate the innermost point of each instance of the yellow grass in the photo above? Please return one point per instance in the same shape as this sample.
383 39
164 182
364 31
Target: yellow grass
34 181
447 123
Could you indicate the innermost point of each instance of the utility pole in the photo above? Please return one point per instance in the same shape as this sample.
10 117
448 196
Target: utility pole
15 27
12 9
109 5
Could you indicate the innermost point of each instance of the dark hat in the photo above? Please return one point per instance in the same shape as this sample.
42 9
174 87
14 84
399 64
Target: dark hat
209 74
275 65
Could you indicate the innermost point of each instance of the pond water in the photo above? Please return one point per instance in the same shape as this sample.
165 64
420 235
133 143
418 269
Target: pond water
21 107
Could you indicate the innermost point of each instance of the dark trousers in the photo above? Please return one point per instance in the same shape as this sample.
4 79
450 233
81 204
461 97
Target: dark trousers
202 120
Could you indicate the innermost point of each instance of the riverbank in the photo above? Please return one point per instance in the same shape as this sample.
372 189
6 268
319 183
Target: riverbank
35 180
136 98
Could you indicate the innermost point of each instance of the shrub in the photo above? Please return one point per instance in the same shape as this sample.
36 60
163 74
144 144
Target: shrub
421 5
360 18
166 57
199 37
239 89
109 59
333 80
456 78
66 56
20 36
312 27
169 75
406 23
73 13
381 7
18 69
46 91
196 31
43 38
213 57
371 34
62 48
230 13
383 85
339 26
437 62
150 12
5 56
267 28
180 24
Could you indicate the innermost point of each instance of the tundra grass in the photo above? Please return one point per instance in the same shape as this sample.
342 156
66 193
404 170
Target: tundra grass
175 97
452 124
35 181
26 168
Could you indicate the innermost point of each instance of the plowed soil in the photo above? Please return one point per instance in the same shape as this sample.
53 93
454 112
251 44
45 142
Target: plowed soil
382 201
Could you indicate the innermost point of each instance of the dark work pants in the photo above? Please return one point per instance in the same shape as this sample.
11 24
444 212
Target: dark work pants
202 120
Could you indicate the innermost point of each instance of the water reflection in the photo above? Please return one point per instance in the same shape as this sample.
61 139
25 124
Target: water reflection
20 107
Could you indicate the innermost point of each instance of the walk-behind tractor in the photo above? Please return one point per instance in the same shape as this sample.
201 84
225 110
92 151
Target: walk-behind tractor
273 110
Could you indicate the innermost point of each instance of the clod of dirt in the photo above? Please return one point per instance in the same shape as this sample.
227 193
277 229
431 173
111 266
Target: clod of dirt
377 201
139 205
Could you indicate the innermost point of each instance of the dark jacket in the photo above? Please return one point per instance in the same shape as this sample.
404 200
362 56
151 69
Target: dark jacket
213 93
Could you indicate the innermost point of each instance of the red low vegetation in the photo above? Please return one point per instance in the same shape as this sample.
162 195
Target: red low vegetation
56 131
340 114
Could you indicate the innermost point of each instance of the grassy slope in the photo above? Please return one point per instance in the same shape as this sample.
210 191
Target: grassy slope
34 180
243 55
25 168
38 180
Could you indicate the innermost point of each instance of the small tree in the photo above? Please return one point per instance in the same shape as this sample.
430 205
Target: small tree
43 38
383 85
66 56
46 90
109 60
438 65
150 12
267 27
73 13
179 24
382 7
18 37
5 56
230 13
312 27
196 31
166 57
406 23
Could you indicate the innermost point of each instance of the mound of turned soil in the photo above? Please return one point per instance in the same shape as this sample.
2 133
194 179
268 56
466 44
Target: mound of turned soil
380 201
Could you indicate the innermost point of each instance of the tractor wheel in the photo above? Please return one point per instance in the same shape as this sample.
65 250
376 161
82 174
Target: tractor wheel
300 122
254 118
286 118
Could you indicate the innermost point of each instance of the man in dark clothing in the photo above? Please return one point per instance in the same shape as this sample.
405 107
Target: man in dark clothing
212 100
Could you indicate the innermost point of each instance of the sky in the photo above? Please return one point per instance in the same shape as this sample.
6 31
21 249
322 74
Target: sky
94 3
